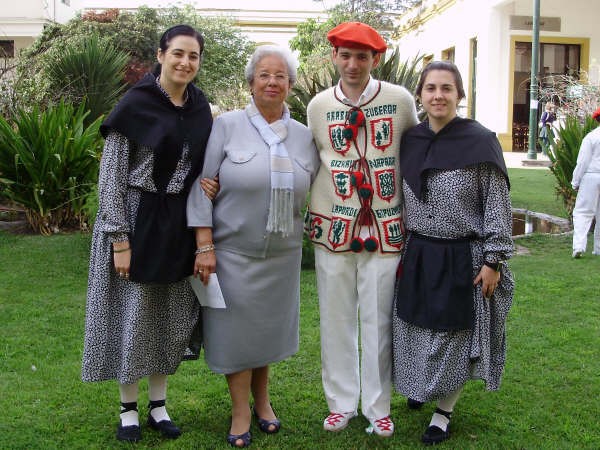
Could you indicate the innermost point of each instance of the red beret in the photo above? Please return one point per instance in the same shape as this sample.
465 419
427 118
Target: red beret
356 34
596 115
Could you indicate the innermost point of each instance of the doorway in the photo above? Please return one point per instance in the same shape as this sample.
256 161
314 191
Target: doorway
555 60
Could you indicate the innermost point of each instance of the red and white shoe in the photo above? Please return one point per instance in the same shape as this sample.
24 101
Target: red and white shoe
382 427
338 421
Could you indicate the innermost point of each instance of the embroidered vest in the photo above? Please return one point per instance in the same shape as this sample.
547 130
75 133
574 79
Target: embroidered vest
357 188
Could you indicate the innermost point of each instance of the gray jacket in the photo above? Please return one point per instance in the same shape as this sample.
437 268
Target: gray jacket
238 216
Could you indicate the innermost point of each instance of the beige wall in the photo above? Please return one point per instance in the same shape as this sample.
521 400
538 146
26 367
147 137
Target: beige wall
456 22
23 20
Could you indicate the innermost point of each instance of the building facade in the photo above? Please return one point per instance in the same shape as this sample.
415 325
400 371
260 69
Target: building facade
490 42
24 20
262 22
271 22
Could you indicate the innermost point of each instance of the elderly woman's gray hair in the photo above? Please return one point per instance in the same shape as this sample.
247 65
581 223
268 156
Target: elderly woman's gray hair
272 50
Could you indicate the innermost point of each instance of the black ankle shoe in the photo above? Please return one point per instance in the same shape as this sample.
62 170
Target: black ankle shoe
435 435
130 433
167 428
414 404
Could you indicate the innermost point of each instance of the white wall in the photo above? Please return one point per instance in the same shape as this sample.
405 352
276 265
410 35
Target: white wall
579 18
488 20
261 21
23 20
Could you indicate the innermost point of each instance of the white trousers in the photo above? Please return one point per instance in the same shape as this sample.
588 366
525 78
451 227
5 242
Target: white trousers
356 288
587 206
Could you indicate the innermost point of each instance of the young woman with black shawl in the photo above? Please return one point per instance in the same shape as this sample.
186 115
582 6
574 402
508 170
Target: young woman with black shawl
141 310
453 291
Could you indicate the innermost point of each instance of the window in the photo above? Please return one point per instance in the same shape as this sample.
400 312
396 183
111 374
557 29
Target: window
473 79
556 60
7 49
559 59
448 54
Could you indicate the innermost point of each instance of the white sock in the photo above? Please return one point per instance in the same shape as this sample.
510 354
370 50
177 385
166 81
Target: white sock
160 414
440 421
445 404
157 390
129 394
129 418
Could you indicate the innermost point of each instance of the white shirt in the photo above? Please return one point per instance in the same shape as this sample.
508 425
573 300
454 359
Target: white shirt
588 159
370 91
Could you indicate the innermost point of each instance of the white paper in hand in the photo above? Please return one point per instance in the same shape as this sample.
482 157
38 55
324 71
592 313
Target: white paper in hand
209 296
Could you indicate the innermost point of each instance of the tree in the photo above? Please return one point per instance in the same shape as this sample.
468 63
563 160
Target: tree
137 34
575 100
89 72
34 83
563 151
226 51
49 163
311 40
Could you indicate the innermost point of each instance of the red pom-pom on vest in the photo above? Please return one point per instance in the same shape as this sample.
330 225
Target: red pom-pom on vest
357 244
350 132
356 178
359 118
371 244
365 191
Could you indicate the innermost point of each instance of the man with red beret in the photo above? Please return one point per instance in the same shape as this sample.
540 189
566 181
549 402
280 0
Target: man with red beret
354 220
586 181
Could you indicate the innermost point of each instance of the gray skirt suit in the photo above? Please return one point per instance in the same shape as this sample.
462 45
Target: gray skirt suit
259 272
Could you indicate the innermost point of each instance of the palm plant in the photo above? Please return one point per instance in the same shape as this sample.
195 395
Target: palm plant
307 86
90 71
48 163
391 69
563 151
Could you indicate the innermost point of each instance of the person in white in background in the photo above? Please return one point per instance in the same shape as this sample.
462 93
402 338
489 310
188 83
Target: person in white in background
586 181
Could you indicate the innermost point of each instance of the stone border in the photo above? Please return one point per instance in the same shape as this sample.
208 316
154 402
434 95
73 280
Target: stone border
561 222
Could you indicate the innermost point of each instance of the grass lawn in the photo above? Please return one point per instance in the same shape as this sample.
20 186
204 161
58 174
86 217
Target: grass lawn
550 397
535 190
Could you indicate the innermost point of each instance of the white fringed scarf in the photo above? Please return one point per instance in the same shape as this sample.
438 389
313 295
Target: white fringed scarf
281 207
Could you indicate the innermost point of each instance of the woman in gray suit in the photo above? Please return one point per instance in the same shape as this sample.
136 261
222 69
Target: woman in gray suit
251 236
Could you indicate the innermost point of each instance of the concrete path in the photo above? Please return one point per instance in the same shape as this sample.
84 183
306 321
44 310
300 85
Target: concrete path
519 160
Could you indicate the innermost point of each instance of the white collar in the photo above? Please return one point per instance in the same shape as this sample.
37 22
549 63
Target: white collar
370 90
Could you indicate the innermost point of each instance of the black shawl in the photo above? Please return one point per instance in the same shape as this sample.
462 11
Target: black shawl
162 246
147 117
461 143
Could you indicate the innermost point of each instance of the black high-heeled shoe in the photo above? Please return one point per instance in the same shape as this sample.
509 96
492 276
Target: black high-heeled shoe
167 428
267 426
246 439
